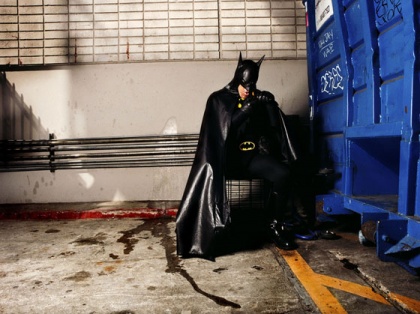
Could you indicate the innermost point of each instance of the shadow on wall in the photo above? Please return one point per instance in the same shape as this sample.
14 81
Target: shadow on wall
18 120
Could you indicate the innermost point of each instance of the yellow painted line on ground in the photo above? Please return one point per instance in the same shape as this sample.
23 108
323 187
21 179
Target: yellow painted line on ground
351 287
316 285
407 303
322 297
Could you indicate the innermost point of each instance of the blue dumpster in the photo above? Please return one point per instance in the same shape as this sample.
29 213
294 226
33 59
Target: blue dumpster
364 96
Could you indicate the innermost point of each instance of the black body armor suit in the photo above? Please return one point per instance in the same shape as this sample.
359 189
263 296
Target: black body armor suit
228 124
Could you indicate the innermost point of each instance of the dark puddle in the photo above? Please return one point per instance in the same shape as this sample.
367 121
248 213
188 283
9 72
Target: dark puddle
128 238
52 231
219 270
113 256
97 239
79 276
159 228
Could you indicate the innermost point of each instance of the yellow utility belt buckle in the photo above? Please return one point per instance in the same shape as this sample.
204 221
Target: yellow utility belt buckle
246 146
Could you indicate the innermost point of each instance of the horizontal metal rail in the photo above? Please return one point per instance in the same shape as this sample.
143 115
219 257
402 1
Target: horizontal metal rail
90 153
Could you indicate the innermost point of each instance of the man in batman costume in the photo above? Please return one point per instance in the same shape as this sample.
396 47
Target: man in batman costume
243 132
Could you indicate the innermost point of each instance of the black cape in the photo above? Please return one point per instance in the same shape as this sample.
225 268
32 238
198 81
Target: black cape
204 210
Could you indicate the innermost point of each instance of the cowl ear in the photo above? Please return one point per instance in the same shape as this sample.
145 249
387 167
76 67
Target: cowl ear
260 61
240 60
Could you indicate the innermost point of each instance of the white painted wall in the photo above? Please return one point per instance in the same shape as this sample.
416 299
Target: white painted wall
130 100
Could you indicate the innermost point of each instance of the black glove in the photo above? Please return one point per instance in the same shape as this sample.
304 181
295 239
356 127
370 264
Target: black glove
246 108
249 103
264 96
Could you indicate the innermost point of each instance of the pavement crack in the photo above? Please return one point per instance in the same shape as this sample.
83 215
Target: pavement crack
375 284
349 265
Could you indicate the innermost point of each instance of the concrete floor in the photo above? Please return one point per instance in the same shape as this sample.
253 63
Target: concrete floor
130 265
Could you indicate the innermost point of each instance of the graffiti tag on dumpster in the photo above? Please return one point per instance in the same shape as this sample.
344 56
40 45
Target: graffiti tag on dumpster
325 43
332 80
386 10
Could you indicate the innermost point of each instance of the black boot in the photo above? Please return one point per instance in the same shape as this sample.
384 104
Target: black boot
278 232
281 237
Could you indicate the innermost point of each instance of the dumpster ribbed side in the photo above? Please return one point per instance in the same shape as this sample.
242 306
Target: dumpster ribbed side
364 96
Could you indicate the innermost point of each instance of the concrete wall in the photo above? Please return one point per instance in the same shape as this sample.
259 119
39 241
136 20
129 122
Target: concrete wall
130 100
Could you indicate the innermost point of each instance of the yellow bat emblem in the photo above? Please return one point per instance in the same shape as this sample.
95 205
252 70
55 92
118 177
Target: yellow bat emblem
245 146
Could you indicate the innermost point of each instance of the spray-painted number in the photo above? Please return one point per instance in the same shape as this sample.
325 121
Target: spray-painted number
332 80
386 10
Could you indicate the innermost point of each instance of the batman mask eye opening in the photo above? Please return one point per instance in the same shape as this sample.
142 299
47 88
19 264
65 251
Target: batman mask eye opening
252 86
